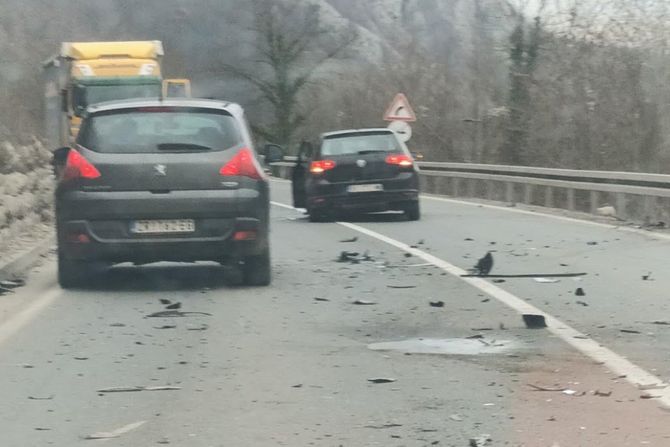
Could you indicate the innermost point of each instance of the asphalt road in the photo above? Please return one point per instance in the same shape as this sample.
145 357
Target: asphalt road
291 364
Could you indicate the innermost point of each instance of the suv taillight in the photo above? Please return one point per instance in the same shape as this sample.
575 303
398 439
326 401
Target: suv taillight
243 164
401 160
77 166
321 166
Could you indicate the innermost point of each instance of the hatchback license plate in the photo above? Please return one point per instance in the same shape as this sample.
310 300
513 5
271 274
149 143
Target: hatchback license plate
163 226
366 188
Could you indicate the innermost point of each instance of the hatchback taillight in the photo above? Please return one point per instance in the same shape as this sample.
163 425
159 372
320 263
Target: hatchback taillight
243 164
321 166
401 160
77 166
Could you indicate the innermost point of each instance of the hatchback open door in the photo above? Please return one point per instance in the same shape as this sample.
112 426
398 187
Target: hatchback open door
299 175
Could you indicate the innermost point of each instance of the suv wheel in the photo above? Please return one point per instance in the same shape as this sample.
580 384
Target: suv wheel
257 270
413 211
72 274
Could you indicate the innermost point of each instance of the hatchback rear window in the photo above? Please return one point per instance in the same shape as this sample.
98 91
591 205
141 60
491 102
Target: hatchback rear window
159 129
360 143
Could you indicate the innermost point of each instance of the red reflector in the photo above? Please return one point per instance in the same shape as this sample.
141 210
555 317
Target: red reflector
243 164
79 238
320 166
244 236
78 167
400 160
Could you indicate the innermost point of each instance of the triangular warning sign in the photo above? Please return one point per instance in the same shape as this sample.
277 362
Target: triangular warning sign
400 110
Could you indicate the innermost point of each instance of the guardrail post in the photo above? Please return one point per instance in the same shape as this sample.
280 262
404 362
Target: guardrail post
620 199
490 190
571 199
593 202
471 188
549 197
649 208
528 194
455 186
509 192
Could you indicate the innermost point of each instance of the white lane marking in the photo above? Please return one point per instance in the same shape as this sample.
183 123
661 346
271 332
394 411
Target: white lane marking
616 363
106 436
17 322
539 213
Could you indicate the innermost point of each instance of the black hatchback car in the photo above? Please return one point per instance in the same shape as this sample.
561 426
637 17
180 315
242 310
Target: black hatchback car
356 171
162 180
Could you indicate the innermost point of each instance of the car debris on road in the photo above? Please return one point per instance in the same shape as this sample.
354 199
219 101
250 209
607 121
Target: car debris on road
534 321
130 389
364 303
382 380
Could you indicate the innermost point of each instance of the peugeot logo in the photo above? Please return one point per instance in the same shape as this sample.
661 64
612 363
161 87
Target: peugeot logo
160 170
361 163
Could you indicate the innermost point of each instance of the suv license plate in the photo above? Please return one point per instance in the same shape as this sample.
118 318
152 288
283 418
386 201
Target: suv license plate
163 226
366 188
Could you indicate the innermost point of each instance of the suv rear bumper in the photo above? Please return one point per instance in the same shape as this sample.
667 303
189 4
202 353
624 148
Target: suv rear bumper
77 241
96 226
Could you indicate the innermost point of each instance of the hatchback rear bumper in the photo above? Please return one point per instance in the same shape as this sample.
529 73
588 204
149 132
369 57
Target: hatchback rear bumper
364 202
396 194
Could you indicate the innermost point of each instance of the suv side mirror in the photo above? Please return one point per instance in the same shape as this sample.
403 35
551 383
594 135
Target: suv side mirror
273 153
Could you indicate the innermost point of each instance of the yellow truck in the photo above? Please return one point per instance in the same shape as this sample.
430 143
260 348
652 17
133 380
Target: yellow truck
85 73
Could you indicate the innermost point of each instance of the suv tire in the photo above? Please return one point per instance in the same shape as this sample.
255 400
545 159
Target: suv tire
257 270
72 274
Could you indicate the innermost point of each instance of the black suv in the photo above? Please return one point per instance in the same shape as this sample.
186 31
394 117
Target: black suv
356 171
162 180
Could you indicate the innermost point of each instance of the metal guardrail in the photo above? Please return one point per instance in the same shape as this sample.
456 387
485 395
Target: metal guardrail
633 195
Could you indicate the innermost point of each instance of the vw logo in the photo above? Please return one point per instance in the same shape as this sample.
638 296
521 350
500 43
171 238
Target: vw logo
160 170
361 163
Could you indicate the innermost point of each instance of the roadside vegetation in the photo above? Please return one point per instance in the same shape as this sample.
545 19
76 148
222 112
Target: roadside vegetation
26 191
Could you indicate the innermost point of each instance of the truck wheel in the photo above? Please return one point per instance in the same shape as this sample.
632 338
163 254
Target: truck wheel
257 270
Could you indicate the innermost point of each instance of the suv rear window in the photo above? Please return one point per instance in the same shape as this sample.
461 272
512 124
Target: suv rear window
360 143
159 129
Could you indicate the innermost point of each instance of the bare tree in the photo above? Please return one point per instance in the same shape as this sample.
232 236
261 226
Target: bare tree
292 46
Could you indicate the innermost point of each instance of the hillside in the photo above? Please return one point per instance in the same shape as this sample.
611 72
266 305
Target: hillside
488 83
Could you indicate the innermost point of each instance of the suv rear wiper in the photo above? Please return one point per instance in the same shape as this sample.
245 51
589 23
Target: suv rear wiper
371 151
178 147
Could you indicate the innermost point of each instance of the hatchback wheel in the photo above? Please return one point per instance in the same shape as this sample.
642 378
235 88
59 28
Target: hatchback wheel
319 216
257 270
413 211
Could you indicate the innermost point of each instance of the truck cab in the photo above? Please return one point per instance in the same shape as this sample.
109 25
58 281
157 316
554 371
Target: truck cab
87 73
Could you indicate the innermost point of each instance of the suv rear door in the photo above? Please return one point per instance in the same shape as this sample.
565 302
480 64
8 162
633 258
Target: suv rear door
159 149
